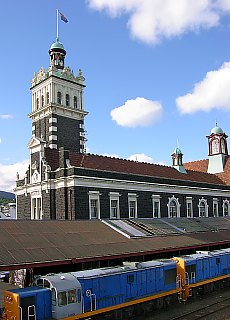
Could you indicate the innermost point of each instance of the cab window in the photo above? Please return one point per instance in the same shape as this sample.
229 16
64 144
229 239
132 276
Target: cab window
62 298
72 296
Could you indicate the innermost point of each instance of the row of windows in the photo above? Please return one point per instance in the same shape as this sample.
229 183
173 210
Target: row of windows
173 206
59 100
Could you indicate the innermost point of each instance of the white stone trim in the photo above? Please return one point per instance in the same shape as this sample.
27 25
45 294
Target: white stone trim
53 146
94 195
189 201
52 137
178 205
132 197
202 200
156 199
114 196
52 128
215 204
52 120
95 182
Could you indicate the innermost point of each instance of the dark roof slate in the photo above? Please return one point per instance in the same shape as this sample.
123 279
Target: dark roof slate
30 243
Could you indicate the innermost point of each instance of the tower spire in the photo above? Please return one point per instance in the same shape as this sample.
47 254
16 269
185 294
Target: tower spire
57 13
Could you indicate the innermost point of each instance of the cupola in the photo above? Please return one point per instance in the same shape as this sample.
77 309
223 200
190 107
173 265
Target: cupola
57 54
218 150
177 160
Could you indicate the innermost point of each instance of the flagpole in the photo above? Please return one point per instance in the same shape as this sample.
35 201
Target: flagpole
57 24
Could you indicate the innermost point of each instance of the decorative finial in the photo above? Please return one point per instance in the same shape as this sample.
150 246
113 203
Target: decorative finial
216 123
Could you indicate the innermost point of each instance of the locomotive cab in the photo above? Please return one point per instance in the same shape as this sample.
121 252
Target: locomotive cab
28 303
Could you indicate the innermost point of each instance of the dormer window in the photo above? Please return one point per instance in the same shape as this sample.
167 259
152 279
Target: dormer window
59 97
75 102
67 100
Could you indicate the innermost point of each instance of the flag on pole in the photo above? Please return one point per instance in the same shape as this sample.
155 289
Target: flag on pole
63 18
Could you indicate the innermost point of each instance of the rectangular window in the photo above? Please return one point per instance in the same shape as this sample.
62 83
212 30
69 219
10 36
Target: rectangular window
67 100
114 208
62 298
215 208
156 206
94 208
114 205
59 97
94 204
75 102
132 208
72 296
155 209
53 294
47 98
189 209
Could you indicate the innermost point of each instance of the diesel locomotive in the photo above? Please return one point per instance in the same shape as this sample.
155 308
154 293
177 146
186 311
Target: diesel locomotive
117 292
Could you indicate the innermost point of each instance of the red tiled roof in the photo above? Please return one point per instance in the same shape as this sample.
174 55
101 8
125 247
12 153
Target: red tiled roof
199 165
97 162
202 166
225 176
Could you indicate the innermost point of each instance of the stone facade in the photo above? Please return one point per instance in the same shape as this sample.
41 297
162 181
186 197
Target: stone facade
63 182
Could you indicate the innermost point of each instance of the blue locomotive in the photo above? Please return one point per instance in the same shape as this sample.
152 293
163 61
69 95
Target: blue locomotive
91 293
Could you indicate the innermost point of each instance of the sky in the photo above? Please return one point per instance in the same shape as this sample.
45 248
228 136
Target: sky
157 74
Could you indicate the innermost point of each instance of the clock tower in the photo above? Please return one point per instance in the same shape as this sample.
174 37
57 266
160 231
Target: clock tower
58 104
218 151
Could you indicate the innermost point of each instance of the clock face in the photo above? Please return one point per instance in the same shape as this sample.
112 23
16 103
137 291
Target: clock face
215 146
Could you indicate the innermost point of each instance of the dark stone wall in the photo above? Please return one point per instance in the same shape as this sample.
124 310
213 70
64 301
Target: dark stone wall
68 133
61 204
23 206
46 205
42 128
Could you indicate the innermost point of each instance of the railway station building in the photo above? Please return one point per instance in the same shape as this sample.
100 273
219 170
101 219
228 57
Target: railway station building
63 182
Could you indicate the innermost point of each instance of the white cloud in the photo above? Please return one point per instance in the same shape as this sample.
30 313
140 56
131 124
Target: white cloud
5 116
8 174
212 92
0 140
140 157
152 20
137 112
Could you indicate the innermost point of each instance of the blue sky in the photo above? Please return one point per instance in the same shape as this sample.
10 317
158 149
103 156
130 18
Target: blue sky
156 71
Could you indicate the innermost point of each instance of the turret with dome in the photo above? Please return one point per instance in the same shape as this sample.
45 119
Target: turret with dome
57 54
218 151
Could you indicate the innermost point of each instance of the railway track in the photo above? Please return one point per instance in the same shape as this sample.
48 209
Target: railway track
205 311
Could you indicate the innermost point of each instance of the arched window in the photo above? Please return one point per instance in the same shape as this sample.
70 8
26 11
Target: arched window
215 146
67 100
37 103
173 208
223 146
226 208
47 98
203 208
75 102
59 97
43 101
